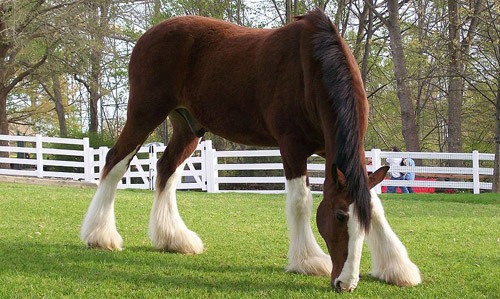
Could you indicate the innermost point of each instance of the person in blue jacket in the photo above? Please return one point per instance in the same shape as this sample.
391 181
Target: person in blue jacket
409 176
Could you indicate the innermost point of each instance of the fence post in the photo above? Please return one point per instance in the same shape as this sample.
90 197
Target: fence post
103 151
152 165
39 156
377 163
211 167
88 160
475 171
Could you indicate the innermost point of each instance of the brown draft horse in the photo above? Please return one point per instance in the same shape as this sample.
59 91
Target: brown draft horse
297 87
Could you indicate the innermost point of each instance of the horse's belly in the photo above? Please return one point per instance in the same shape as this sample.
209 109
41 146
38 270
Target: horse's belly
244 126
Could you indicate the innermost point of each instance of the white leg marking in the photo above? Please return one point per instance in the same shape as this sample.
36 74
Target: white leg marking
99 226
349 277
390 261
304 255
166 228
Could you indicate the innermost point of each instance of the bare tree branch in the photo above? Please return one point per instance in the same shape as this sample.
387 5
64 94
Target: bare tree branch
24 74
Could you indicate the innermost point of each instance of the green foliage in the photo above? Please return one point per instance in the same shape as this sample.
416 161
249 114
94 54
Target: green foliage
93 39
452 238
228 10
425 42
97 140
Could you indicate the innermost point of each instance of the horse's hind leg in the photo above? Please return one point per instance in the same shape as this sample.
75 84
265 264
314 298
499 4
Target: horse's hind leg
166 227
99 228
145 112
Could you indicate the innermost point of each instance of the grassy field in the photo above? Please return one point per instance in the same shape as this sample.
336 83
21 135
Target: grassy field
454 239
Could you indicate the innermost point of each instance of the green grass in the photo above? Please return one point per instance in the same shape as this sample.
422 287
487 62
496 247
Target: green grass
454 239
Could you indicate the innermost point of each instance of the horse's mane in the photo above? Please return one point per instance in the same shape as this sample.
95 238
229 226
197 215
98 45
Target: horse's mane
332 53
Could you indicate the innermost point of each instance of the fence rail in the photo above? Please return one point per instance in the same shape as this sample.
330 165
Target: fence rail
221 171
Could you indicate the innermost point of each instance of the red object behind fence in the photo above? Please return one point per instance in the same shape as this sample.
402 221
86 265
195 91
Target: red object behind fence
416 189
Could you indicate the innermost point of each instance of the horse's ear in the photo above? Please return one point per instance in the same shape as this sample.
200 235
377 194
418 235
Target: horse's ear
338 177
378 176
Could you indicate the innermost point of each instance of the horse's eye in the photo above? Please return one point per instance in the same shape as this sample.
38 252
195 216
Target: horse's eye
341 215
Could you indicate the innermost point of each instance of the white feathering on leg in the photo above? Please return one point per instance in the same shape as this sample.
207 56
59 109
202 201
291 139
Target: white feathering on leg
99 225
390 261
166 227
304 255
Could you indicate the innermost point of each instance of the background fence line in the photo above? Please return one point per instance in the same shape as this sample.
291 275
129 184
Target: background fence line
229 171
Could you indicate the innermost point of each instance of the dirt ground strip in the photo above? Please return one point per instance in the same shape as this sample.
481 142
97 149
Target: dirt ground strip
45 181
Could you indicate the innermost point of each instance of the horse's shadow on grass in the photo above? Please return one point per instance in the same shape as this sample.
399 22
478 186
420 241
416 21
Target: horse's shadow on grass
145 266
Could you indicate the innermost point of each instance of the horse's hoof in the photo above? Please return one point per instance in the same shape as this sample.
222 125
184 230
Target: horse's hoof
110 247
109 242
341 287
185 242
404 274
316 266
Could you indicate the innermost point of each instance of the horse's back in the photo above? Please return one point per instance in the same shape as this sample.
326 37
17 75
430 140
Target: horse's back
184 49
221 72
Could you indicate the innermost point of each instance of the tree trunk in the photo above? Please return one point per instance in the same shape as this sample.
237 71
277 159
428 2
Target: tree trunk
288 8
58 101
410 131
340 10
368 43
421 82
496 164
94 111
457 51
4 48
162 132
4 122
101 13
94 86
4 125
361 31
455 83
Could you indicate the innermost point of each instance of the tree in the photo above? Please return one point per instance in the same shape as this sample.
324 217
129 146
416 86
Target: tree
230 10
496 164
25 42
409 128
96 27
489 66
101 61
19 27
409 72
56 95
458 48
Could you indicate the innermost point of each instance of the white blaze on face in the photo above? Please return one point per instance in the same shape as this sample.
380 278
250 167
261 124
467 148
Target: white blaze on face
349 277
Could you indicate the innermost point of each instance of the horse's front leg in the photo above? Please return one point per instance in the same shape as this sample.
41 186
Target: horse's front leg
390 261
304 255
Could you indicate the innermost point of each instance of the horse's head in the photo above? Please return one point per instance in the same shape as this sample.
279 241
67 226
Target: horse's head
338 225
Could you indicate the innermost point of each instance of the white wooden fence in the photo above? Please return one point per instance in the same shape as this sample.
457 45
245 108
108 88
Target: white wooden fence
221 171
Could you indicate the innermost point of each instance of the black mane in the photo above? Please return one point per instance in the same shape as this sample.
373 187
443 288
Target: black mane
338 82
